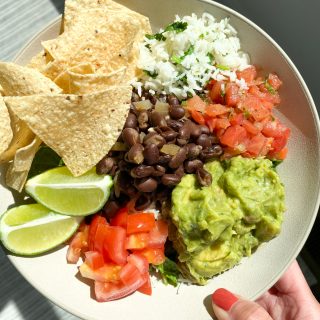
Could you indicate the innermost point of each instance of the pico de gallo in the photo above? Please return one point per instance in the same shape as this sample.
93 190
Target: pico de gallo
243 119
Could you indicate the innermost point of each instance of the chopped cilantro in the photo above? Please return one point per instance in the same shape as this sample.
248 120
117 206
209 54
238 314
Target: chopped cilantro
246 114
157 36
222 67
151 74
189 51
148 46
269 87
201 36
222 94
176 59
210 56
177 26
275 163
169 272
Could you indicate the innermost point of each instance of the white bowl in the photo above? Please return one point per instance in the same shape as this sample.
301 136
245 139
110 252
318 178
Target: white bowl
55 279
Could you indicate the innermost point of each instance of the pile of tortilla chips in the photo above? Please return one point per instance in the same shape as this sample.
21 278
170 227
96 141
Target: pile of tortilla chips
74 96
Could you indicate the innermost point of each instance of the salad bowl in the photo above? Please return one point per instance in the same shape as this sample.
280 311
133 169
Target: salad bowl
58 281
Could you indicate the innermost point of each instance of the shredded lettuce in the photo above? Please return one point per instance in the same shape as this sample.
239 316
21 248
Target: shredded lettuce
169 272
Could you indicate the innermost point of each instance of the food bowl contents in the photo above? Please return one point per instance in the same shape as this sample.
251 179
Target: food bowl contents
167 143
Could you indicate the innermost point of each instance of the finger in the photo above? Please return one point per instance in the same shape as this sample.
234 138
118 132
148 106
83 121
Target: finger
227 306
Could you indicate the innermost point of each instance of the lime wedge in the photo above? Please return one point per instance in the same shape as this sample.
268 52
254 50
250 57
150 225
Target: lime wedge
32 229
61 192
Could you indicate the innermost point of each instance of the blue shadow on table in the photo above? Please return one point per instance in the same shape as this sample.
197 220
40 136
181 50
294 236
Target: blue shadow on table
14 289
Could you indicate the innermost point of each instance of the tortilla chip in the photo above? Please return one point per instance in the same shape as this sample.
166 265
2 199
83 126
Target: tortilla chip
80 129
63 79
40 60
20 81
18 170
89 83
6 133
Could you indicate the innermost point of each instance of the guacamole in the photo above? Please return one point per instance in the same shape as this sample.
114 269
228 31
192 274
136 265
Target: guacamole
218 225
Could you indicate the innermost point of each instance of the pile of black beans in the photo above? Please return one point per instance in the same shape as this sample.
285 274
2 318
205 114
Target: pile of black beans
154 151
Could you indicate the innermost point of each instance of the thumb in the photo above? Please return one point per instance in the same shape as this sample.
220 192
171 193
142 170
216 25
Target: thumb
227 306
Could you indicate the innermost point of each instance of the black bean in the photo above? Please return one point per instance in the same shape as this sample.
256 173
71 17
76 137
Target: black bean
182 142
151 154
191 166
157 119
184 132
193 150
124 166
130 136
154 139
178 158
159 171
153 99
131 121
146 184
176 112
180 171
111 208
173 100
143 202
174 124
143 119
204 129
170 180
135 154
214 139
122 182
204 141
169 134
105 165
195 131
141 171
204 177
212 152
164 159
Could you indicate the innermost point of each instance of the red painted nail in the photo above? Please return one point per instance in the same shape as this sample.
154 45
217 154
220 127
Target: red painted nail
224 299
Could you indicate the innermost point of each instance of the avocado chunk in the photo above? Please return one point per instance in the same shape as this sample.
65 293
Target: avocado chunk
216 226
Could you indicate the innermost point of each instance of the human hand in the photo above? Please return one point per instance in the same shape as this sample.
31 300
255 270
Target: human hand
289 299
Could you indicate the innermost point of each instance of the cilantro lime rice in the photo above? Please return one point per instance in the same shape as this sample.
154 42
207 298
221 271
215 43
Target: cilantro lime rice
184 56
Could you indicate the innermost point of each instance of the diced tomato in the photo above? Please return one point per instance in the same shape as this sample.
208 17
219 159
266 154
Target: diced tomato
233 136
100 234
278 143
78 244
94 259
274 81
139 261
232 94
146 287
254 107
108 291
196 103
115 244
236 118
140 222
257 144
217 92
248 74
97 219
129 274
137 241
281 155
197 116
275 129
108 272
154 255
213 110
120 218
222 123
264 94
211 123
250 127
158 234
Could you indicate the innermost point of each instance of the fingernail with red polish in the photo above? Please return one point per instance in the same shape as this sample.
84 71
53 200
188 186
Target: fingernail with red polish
224 299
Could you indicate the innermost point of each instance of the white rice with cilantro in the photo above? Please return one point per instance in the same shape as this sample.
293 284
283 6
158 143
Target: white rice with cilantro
184 56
